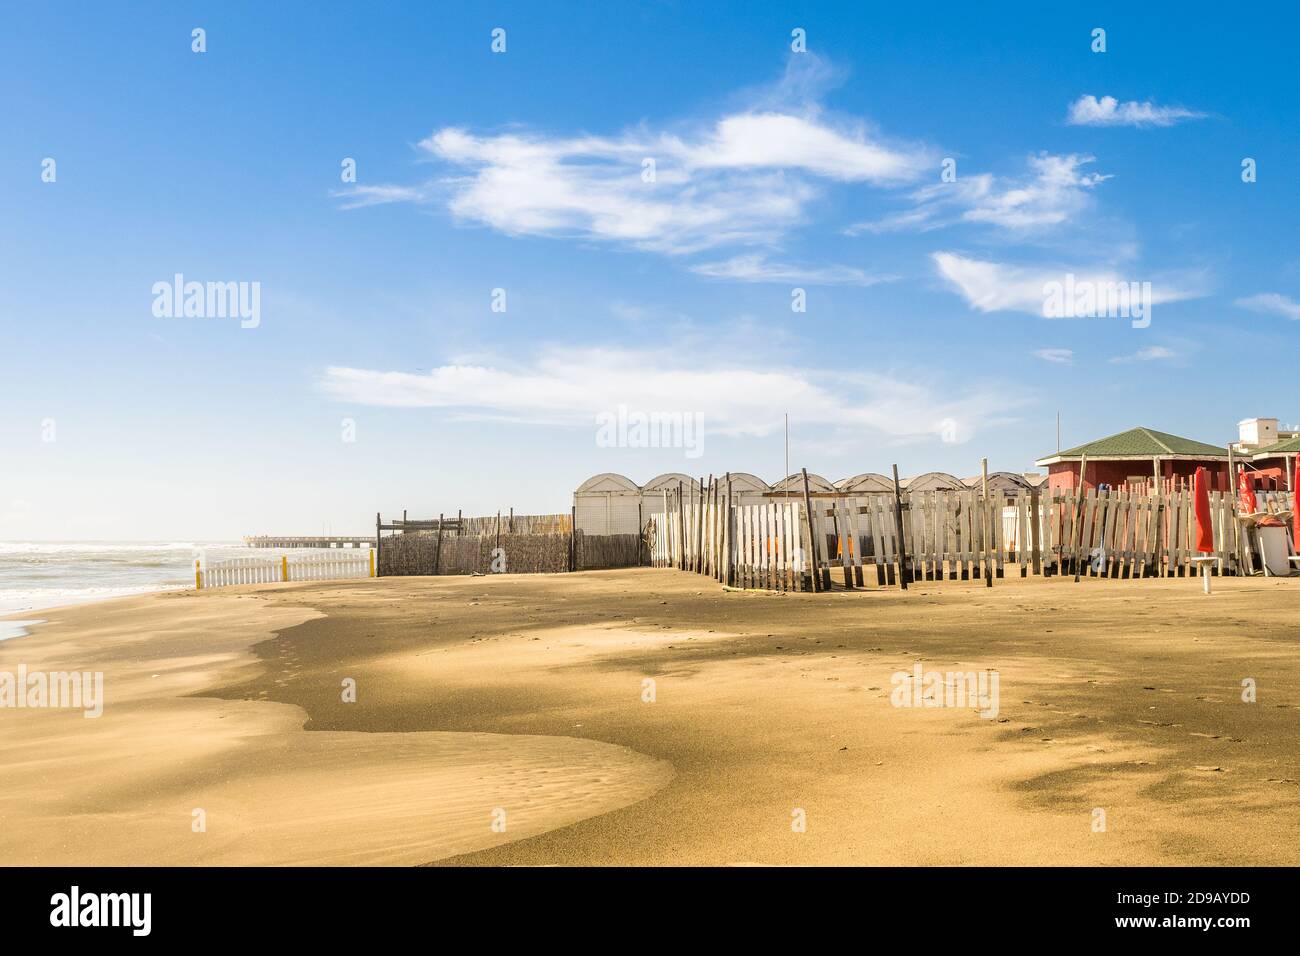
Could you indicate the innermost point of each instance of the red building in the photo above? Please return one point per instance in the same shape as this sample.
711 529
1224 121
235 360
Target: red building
1274 465
1136 457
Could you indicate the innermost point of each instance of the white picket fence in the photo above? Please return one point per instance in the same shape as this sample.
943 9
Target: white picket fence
307 567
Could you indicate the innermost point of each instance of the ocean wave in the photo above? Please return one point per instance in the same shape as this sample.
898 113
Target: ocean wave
108 547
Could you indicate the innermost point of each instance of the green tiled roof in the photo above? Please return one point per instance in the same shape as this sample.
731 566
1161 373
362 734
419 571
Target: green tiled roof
1289 447
1145 443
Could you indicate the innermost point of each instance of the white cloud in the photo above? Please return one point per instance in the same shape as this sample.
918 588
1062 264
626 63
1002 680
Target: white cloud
359 196
1273 303
568 388
1108 111
996 287
757 268
1153 353
747 181
1057 356
1055 191
744 178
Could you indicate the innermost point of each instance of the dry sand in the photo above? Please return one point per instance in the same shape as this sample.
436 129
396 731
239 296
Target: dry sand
525 694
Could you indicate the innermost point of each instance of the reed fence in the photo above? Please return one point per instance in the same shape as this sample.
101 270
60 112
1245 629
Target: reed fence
428 552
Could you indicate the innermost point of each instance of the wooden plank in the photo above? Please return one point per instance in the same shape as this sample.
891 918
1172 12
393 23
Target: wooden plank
842 536
1135 542
1022 531
942 531
855 539
1107 519
791 545
940 535
1179 503
875 511
1088 532
1154 556
786 545
812 531
916 514
1035 531
966 529
750 576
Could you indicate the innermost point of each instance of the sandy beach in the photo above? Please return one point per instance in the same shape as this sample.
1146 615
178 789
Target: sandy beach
507 720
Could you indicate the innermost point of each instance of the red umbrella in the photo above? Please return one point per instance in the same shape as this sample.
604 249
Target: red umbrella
1204 529
1249 503
1295 512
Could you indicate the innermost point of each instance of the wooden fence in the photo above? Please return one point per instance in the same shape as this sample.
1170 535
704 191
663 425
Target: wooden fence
309 567
854 541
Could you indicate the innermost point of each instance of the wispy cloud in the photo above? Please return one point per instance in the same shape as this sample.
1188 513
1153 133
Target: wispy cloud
1153 353
996 286
1108 111
567 388
358 196
743 178
758 268
1055 190
1056 356
1272 303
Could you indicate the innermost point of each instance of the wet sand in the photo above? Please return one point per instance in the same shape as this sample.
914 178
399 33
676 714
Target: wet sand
524 700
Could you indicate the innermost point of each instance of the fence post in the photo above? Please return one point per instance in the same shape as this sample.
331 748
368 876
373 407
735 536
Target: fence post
904 572
437 547
1078 517
284 567
812 534
198 576
990 537
1035 530
372 563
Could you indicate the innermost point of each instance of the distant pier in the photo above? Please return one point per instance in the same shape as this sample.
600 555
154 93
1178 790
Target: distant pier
300 541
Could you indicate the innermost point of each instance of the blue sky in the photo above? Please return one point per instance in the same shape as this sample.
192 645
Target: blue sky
923 341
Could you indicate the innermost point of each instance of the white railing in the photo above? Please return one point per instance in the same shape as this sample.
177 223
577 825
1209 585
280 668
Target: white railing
307 567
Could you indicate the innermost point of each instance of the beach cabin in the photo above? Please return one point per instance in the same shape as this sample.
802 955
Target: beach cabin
867 483
1274 465
608 504
748 489
1133 457
792 486
1000 482
1267 452
933 481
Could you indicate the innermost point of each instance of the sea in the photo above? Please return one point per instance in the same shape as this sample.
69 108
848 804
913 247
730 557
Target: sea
45 574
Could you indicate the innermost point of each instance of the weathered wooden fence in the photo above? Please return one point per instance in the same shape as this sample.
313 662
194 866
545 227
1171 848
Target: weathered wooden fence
854 541
332 566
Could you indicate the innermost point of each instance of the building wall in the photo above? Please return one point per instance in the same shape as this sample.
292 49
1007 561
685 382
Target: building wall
1064 475
1270 474
608 512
